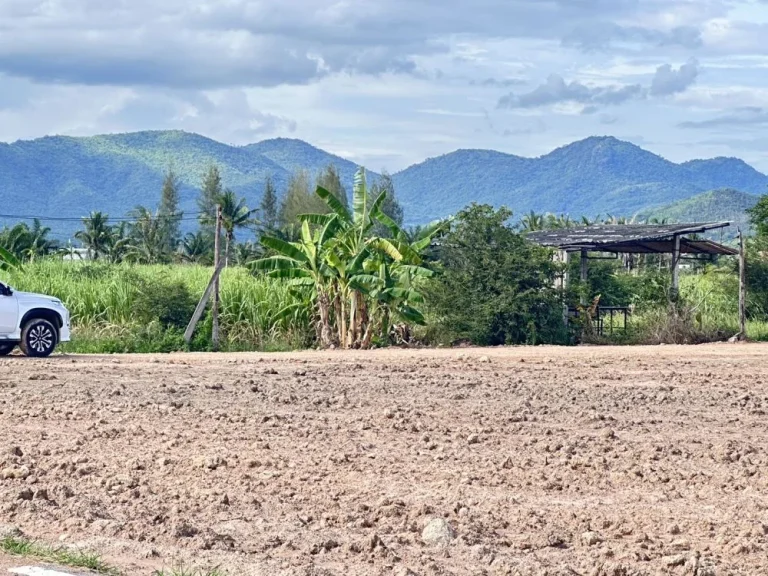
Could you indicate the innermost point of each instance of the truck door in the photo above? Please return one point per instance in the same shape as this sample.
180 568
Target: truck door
9 312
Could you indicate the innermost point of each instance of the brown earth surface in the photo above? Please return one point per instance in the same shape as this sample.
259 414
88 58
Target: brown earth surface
542 461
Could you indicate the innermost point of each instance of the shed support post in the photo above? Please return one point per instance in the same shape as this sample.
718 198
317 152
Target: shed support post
742 288
675 294
561 283
584 276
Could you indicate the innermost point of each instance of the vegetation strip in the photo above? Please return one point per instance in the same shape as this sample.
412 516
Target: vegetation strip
24 547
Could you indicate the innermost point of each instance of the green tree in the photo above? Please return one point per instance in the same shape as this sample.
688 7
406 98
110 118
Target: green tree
533 222
495 286
209 196
390 206
235 214
269 207
356 279
40 244
247 252
169 213
197 248
148 242
95 236
330 180
119 243
299 199
758 217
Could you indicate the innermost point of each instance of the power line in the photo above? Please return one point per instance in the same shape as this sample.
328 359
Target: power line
181 216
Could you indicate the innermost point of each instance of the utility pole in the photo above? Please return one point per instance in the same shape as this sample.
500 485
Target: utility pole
215 337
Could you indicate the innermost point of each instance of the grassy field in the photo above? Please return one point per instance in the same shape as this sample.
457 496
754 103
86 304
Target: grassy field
124 308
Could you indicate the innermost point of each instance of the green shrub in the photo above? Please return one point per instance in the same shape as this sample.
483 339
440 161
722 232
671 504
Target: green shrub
168 302
495 287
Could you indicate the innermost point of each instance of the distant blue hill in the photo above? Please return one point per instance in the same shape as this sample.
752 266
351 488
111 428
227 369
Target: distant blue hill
590 177
69 177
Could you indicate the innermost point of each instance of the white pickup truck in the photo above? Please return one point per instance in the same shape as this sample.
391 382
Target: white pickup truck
33 322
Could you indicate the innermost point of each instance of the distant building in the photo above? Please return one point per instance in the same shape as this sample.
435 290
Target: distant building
76 254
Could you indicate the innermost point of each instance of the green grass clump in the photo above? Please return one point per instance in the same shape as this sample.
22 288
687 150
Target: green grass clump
182 570
20 546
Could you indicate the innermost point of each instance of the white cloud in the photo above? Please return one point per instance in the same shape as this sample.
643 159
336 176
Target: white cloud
414 76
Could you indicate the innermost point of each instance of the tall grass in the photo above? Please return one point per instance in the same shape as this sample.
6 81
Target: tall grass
710 301
103 302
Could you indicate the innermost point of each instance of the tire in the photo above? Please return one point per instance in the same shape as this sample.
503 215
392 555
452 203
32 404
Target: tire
6 348
38 338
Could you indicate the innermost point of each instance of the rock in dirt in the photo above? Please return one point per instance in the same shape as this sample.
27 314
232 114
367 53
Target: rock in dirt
438 532
591 538
26 494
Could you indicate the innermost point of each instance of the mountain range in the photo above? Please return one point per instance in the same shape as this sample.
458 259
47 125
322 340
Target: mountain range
68 177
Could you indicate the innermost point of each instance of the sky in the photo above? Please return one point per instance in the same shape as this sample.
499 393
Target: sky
388 83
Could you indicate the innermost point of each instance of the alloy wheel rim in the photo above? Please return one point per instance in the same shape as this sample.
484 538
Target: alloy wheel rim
41 338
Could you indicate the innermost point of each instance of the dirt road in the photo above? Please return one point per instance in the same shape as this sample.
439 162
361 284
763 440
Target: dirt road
582 461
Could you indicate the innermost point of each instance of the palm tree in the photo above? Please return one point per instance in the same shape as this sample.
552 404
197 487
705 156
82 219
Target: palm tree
197 248
119 243
95 237
246 253
148 238
235 214
40 245
17 240
532 222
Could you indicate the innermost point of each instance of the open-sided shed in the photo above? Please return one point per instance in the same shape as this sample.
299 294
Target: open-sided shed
674 239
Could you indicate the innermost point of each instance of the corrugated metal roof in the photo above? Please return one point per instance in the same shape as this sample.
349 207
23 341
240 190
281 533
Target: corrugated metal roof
636 238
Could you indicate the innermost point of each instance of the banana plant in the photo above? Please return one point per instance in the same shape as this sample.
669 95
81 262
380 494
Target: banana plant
356 279
8 261
303 264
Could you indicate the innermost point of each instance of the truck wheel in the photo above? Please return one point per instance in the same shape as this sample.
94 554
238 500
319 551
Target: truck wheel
6 349
38 338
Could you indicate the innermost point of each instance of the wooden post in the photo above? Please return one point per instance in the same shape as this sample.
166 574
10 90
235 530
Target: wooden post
676 270
215 337
742 288
584 276
202 304
563 257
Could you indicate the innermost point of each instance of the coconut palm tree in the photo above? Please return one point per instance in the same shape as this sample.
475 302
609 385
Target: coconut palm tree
148 239
95 237
533 222
235 214
197 248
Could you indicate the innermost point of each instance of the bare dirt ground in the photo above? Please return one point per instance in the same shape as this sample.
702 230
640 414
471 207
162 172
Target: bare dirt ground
546 461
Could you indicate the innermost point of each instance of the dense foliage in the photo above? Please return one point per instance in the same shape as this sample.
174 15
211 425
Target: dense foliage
495 287
355 282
